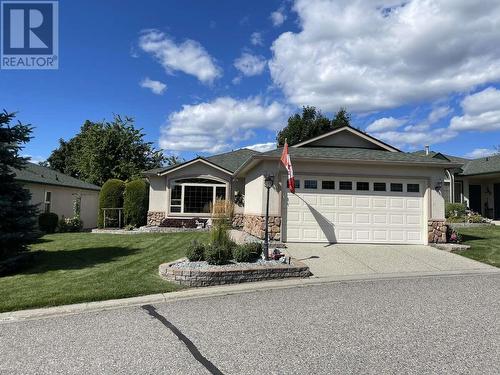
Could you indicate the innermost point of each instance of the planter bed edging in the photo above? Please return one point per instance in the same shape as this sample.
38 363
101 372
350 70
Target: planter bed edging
213 276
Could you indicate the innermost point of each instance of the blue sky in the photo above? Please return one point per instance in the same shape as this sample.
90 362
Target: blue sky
209 76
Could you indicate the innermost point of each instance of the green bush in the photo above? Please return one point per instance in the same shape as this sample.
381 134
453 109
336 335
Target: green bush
217 254
47 222
111 196
248 252
475 219
70 224
135 202
195 251
454 210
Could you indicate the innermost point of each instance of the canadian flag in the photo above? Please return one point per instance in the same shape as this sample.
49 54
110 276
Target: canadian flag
285 159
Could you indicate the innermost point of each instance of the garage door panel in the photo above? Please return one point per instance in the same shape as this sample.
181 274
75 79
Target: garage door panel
355 216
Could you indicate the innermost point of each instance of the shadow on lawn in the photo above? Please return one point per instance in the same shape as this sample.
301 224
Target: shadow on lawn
468 237
44 261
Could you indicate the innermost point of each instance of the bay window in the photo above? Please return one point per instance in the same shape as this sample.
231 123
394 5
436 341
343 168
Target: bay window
195 195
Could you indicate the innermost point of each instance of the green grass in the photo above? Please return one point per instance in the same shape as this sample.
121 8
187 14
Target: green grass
81 267
484 242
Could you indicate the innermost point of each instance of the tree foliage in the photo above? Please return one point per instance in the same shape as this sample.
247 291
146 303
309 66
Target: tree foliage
311 123
110 196
18 218
135 202
105 150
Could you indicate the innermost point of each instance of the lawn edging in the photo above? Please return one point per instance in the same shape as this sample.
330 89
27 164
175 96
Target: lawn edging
218 276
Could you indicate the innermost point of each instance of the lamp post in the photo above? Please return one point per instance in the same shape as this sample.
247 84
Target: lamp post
268 183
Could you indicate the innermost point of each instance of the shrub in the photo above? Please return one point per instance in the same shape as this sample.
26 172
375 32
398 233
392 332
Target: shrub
454 210
195 251
111 196
248 252
135 202
47 222
475 219
217 254
70 224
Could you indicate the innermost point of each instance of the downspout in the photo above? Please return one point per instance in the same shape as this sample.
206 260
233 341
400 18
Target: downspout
451 176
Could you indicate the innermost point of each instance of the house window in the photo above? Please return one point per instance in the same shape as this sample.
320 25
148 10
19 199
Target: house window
48 201
310 184
297 184
362 186
328 185
379 186
397 187
458 193
413 188
345 185
195 195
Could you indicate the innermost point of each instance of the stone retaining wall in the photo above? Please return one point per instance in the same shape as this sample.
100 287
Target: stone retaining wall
437 231
155 218
256 225
213 276
237 221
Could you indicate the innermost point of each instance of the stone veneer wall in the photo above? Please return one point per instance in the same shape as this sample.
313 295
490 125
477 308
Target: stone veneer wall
155 217
256 225
237 221
437 231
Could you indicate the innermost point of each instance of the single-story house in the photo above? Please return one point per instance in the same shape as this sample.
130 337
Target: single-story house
476 183
56 192
350 188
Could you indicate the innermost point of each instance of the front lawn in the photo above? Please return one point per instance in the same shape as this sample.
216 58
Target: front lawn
484 242
81 267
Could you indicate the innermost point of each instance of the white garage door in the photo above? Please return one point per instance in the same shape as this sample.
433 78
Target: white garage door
355 210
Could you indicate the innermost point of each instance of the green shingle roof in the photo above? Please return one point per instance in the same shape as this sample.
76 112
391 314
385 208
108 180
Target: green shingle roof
354 154
229 160
42 175
490 164
456 159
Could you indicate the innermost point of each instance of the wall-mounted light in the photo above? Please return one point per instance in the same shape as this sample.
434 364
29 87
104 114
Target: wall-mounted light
439 185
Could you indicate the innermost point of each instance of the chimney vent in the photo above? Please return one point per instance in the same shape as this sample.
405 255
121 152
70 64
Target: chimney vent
427 149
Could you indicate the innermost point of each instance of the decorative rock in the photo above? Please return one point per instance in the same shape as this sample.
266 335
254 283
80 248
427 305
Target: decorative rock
437 231
155 218
256 225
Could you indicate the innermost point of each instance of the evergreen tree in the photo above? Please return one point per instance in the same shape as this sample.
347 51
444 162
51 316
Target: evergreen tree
17 216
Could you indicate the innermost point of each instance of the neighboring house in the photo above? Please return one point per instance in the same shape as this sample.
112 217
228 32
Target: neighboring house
350 187
476 182
56 192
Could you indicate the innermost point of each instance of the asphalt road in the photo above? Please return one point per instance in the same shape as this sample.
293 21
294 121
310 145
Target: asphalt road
438 325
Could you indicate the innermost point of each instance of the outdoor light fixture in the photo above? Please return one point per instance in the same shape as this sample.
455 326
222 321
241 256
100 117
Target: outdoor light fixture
439 185
268 183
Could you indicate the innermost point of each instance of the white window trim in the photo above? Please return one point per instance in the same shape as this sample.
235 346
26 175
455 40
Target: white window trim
183 186
45 201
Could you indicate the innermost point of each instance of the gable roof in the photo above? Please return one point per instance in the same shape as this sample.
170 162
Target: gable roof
37 174
486 165
352 130
229 162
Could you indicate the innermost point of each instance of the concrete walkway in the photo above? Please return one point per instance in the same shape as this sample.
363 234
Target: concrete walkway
351 259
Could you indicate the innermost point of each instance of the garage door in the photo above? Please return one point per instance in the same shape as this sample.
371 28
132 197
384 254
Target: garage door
355 210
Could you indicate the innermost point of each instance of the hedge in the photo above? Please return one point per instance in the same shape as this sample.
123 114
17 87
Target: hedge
454 210
111 196
135 202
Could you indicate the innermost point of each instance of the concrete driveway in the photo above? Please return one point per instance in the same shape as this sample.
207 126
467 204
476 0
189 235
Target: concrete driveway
352 259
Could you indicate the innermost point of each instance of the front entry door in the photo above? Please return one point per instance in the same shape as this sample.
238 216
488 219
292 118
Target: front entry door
496 197
475 198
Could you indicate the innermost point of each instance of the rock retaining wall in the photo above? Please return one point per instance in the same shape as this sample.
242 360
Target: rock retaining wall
213 276
256 225
437 231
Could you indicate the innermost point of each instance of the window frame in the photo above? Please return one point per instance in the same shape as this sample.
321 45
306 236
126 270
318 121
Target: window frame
328 188
311 188
214 185
375 184
362 182
345 182
47 203
461 191
396 183
412 191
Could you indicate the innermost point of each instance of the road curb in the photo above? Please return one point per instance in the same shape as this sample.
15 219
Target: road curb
220 291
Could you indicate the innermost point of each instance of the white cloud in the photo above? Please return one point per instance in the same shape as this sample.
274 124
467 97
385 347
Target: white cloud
365 55
250 65
416 139
262 147
217 125
156 87
35 159
189 56
278 17
480 153
256 39
481 111
384 123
